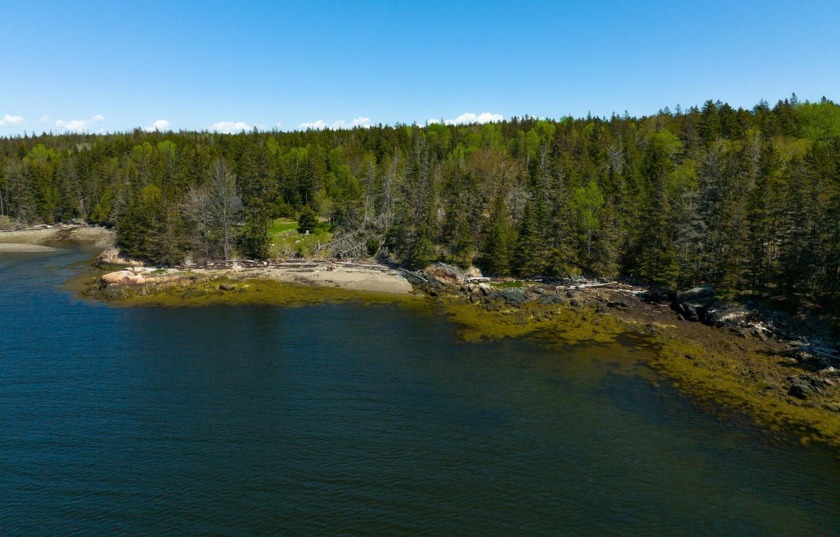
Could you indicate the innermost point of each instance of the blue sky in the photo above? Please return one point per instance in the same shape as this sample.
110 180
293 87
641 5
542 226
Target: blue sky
194 65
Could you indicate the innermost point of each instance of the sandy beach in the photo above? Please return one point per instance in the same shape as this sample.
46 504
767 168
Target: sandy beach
354 276
14 247
43 239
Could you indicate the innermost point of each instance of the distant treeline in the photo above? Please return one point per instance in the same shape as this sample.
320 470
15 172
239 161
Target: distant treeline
748 200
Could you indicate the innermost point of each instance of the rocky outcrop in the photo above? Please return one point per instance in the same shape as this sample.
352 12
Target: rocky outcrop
805 386
693 305
700 304
443 275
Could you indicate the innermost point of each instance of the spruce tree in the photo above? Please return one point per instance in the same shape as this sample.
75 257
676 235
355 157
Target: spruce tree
529 254
497 249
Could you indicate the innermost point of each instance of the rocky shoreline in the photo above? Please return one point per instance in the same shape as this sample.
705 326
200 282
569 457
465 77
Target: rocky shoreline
725 356
739 357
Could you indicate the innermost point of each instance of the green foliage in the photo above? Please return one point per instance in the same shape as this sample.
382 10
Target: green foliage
280 225
529 256
819 121
256 243
743 199
152 231
497 250
307 221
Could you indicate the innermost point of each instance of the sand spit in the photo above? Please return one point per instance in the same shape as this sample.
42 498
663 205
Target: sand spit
40 239
12 247
352 276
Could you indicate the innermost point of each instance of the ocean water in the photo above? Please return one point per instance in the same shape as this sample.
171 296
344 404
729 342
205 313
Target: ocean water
360 420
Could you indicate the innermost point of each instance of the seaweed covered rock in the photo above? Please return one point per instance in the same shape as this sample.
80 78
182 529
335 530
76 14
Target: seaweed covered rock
805 386
514 298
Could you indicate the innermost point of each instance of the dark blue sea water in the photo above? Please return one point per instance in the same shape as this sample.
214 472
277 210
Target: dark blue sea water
359 420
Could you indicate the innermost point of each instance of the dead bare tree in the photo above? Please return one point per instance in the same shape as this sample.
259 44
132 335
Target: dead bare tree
213 209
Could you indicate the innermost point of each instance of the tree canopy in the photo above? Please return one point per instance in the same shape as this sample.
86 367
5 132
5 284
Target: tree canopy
748 200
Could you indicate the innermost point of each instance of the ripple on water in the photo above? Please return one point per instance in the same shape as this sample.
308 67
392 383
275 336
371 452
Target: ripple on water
351 420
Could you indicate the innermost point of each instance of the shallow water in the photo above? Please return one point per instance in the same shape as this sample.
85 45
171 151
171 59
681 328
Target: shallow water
352 420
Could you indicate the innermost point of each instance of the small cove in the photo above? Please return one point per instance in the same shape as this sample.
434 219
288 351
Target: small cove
359 420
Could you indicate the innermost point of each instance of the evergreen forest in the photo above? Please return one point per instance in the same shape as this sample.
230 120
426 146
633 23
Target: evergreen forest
747 200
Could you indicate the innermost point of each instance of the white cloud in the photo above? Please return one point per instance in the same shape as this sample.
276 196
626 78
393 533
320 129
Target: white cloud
11 121
320 124
360 121
45 119
79 125
159 125
73 124
231 127
469 117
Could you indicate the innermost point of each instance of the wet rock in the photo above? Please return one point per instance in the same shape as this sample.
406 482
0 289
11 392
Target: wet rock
735 331
805 386
721 315
531 295
550 300
658 295
511 297
760 333
687 311
226 287
703 293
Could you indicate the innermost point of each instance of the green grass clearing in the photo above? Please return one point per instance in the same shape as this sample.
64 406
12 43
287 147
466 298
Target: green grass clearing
287 242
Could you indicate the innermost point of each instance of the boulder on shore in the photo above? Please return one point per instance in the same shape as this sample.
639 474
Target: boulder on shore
694 304
442 275
123 277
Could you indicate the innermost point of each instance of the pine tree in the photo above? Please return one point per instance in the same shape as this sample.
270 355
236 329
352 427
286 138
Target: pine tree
529 258
497 250
258 198
606 245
